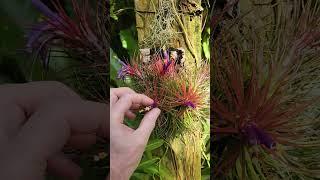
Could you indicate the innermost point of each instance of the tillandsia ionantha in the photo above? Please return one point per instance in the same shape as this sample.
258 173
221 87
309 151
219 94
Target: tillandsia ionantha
261 98
80 34
176 92
79 37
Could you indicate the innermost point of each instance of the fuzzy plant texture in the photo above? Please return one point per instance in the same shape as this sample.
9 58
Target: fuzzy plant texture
183 96
265 114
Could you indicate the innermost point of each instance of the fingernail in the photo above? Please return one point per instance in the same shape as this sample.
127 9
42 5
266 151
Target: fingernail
157 110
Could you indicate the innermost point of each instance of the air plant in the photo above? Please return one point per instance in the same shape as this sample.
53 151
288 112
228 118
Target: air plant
176 92
260 115
80 35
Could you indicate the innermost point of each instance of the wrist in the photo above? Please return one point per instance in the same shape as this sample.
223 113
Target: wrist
118 171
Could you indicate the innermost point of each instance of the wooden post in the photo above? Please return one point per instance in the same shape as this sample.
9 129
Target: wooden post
185 159
188 25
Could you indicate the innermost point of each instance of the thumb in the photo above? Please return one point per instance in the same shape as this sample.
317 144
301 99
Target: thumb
148 123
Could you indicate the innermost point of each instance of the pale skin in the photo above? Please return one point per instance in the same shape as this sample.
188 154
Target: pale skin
127 145
38 119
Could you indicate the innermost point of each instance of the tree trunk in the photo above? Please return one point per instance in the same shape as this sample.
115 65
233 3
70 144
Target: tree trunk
188 26
185 157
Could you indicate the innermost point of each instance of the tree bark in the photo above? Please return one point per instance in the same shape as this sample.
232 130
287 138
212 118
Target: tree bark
189 27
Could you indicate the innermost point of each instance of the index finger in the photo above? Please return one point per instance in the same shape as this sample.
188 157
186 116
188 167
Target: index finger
126 102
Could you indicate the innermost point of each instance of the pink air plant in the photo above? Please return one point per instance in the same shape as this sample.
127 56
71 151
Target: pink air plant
188 97
164 66
80 37
128 70
174 92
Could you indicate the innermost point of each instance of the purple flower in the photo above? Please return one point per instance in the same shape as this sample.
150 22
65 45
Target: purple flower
35 33
44 9
154 104
166 55
166 62
37 30
122 72
255 136
265 139
126 70
251 134
166 66
189 104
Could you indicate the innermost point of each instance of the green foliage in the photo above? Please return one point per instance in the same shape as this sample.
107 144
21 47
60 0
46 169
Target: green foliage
206 43
12 64
150 163
129 41
114 68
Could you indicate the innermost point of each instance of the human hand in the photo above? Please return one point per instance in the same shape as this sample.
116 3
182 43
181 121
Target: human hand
127 145
37 120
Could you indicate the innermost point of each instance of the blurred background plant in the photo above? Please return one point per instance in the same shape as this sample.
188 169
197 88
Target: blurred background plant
265 93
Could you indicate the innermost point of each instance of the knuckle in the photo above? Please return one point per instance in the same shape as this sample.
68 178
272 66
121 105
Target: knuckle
127 89
113 97
63 107
127 97
60 89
